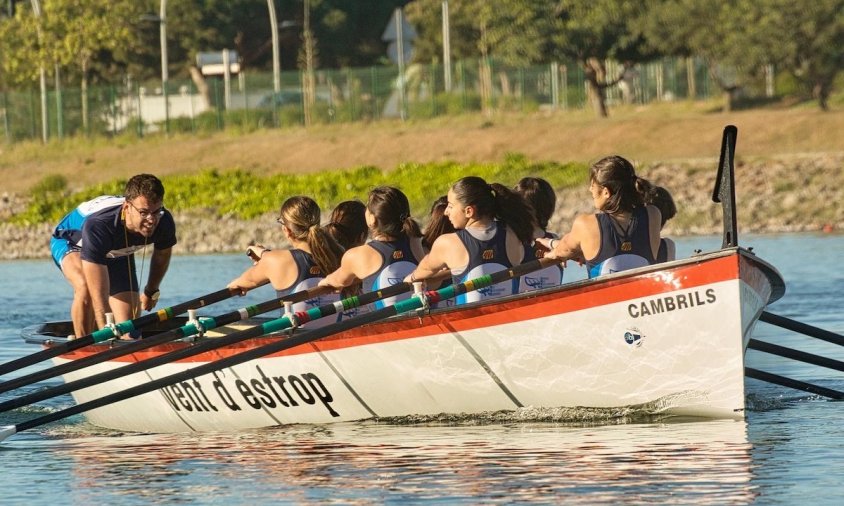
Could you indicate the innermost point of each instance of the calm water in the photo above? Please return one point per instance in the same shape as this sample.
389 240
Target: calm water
790 449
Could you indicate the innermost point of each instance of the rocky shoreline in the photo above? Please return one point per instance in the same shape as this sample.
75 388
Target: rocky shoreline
797 193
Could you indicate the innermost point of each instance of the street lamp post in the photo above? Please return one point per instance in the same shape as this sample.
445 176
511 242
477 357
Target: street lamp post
446 47
45 133
276 57
162 20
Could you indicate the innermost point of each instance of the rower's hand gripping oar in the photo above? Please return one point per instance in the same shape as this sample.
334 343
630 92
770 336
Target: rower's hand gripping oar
204 346
187 330
283 344
119 329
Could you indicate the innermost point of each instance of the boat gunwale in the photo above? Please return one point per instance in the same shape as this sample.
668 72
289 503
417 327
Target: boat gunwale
34 334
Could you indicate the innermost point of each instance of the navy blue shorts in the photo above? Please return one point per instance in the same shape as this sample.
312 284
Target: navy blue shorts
122 275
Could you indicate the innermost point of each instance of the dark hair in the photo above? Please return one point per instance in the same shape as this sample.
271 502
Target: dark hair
391 210
347 224
439 224
301 216
541 197
627 191
145 185
498 202
660 198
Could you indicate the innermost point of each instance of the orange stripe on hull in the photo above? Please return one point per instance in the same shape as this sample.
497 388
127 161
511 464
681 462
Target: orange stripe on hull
579 296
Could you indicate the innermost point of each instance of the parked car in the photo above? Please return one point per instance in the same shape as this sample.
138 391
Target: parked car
282 98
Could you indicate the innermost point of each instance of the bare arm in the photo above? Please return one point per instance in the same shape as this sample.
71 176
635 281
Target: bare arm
252 277
273 266
158 265
433 264
356 264
96 277
570 247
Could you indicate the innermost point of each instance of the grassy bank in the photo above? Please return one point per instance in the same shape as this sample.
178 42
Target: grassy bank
224 188
657 133
246 195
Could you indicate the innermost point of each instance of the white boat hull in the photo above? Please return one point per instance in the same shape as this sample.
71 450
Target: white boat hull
666 339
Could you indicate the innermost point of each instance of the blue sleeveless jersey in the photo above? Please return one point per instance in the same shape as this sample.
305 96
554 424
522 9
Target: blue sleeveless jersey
544 278
309 275
610 257
398 262
486 257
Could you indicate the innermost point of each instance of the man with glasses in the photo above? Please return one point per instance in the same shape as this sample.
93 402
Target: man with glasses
94 246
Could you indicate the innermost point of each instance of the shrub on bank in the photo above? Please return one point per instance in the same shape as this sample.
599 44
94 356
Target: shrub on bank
245 195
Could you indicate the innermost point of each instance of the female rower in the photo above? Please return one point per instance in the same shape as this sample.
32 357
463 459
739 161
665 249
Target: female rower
623 233
301 267
439 223
393 252
662 200
493 229
347 224
541 196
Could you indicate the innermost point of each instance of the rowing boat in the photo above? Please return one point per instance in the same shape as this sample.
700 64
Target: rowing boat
667 339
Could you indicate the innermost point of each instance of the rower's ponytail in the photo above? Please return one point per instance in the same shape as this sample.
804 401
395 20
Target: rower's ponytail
496 201
325 251
514 211
301 216
391 210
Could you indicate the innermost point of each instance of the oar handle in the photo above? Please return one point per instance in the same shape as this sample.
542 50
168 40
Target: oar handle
108 333
168 313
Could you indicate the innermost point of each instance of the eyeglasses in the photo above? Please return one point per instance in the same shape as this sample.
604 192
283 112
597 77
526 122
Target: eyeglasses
280 221
147 214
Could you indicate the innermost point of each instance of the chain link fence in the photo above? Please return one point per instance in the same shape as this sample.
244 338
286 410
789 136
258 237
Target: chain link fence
248 101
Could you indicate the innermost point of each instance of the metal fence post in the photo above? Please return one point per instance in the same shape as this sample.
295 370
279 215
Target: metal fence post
432 77
463 98
59 113
32 114
373 91
140 116
6 132
522 89
112 100
217 105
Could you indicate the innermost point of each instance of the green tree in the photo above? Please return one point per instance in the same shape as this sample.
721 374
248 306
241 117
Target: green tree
68 33
591 32
806 40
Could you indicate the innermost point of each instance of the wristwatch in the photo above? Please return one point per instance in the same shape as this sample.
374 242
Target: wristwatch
152 295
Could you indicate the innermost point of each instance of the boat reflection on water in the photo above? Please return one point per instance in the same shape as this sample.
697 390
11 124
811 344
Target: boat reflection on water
691 462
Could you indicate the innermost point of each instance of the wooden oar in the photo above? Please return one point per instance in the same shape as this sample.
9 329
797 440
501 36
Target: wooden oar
802 328
120 328
281 344
187 330
792 383
201 347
